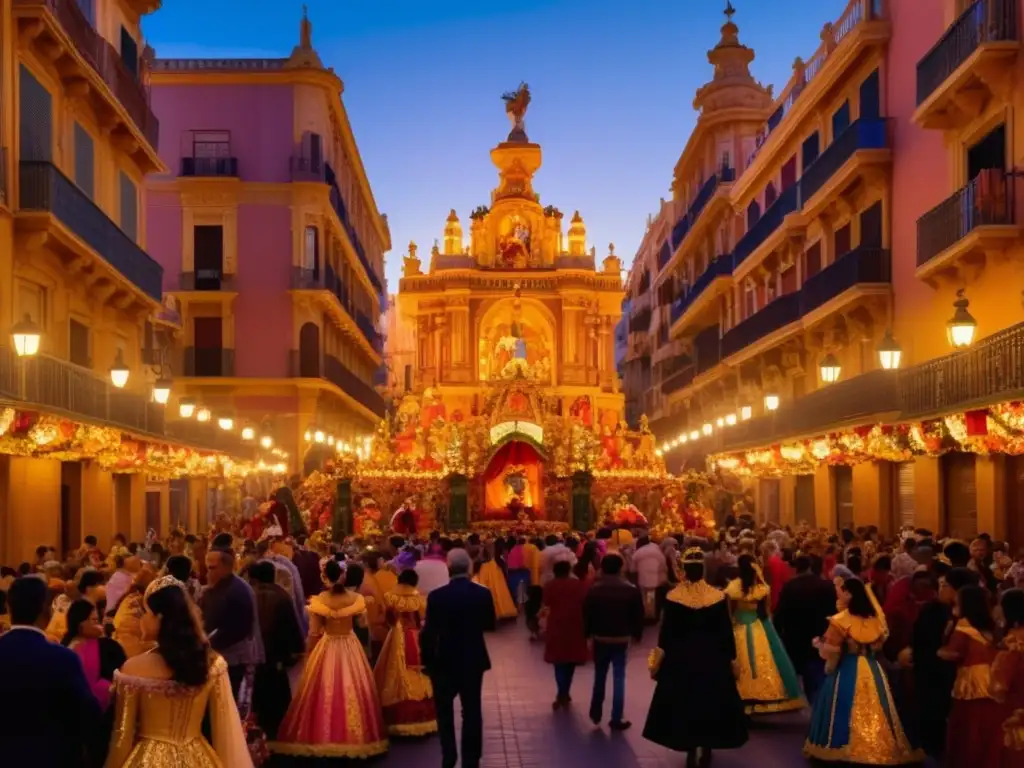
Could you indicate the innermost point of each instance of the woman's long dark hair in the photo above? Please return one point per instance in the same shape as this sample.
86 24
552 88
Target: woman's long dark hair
972 601
587 558
333 572
180 642
748 574
860 604
78 613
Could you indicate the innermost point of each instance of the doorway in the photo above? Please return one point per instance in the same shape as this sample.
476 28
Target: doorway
987 153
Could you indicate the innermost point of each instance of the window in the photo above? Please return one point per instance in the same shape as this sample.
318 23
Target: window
130 52
35 118
211 144
129 207
749 299
208 256
812 261
78 343
842 242
311 250
840 120
810 150
85 162
871 226
870 97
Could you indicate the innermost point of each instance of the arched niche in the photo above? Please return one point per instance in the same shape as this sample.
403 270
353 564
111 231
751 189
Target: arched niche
537 331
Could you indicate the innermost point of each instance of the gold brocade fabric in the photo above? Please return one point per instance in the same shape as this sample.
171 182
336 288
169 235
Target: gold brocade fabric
127 630
158 724
863 631
490 576
734 591
396 680
767 686
973 682
695 594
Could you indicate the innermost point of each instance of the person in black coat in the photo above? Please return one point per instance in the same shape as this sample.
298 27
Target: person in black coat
806 603
47 710
696 706
454 655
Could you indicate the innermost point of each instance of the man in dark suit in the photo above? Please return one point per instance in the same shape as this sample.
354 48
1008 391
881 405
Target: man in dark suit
47 710
455 657
805 605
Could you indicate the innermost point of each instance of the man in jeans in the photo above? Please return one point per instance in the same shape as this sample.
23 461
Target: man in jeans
613 614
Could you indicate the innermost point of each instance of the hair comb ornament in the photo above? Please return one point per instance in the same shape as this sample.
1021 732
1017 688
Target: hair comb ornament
693 555
162 583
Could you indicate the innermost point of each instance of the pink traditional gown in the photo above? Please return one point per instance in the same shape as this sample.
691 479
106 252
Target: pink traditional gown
405 690
336 710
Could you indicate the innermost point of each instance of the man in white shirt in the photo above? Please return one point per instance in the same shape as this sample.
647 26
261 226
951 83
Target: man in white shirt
555 551
432 569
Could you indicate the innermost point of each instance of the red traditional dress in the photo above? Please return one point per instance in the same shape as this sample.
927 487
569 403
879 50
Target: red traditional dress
406 693
974 736
336 710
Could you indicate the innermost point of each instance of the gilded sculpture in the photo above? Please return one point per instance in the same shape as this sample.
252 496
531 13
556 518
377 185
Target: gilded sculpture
516 103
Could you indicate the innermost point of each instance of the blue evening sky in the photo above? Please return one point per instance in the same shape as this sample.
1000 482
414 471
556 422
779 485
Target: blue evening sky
612 85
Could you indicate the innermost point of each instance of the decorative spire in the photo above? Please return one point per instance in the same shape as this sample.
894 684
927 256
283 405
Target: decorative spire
303 54
732 84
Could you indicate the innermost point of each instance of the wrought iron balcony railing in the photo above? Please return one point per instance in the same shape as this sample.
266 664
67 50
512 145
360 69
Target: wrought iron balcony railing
305 168
989 199
677 381
206 280
42 187
208 361
865 133
859 266
984 21
209 166
777 314
771 220
106 61
707 347
364 393
720 267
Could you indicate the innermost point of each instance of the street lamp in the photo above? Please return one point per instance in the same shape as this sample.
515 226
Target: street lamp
225 423
695 435
771 402
319 436
730 419
203 414
186 407
961 327
162 391
248 433
830 369
26 336
119 371
266 441
746 412
720 422
889 352
707 429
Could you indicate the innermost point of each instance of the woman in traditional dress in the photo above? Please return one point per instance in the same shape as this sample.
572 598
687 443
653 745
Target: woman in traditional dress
406 693
974 734
164 696
766 678
1008 678
489 575
854 720
335 711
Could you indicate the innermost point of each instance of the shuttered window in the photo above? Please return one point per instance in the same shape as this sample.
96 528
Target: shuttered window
35 118
905 504
129 207
85 161
961 495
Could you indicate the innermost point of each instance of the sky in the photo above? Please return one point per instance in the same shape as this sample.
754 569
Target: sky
612 87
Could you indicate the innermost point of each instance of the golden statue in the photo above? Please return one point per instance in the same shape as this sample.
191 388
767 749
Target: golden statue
516 103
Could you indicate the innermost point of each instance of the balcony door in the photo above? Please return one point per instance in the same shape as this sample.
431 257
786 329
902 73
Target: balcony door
805 500
843 476
988 153
209 346
309 351
208 247
906 496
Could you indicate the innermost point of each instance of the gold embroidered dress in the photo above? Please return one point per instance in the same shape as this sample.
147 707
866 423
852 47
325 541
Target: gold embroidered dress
854 720
406 693
159 723
335 711
489 575
765 677
127 630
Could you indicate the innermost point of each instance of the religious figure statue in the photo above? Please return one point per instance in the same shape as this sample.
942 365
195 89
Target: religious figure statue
516 103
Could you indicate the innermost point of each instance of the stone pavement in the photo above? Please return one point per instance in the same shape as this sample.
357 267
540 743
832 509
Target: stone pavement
521 731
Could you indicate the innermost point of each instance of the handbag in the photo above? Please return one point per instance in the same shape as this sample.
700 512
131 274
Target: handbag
255 737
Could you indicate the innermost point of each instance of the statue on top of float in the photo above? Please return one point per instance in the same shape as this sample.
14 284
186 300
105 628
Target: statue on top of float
406 519
366 521
624 514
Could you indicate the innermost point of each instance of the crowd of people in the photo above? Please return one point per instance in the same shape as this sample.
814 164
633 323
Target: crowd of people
217 652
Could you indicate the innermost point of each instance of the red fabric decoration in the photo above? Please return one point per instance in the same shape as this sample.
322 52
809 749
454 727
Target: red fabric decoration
977 422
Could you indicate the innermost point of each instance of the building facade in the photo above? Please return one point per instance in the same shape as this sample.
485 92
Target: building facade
78 292
829 231
273 246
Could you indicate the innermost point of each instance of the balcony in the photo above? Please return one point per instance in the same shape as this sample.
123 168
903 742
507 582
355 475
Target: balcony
689 219
306 169
67 39
958 234
721 267
348 319
66 389
972 63
206 280
765 227
860 268
338 203
43 188
209 166
334 371
776 315
678 380
208 362
369 331
865 143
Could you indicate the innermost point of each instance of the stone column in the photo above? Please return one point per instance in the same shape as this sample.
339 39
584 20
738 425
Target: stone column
440 340
605 350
